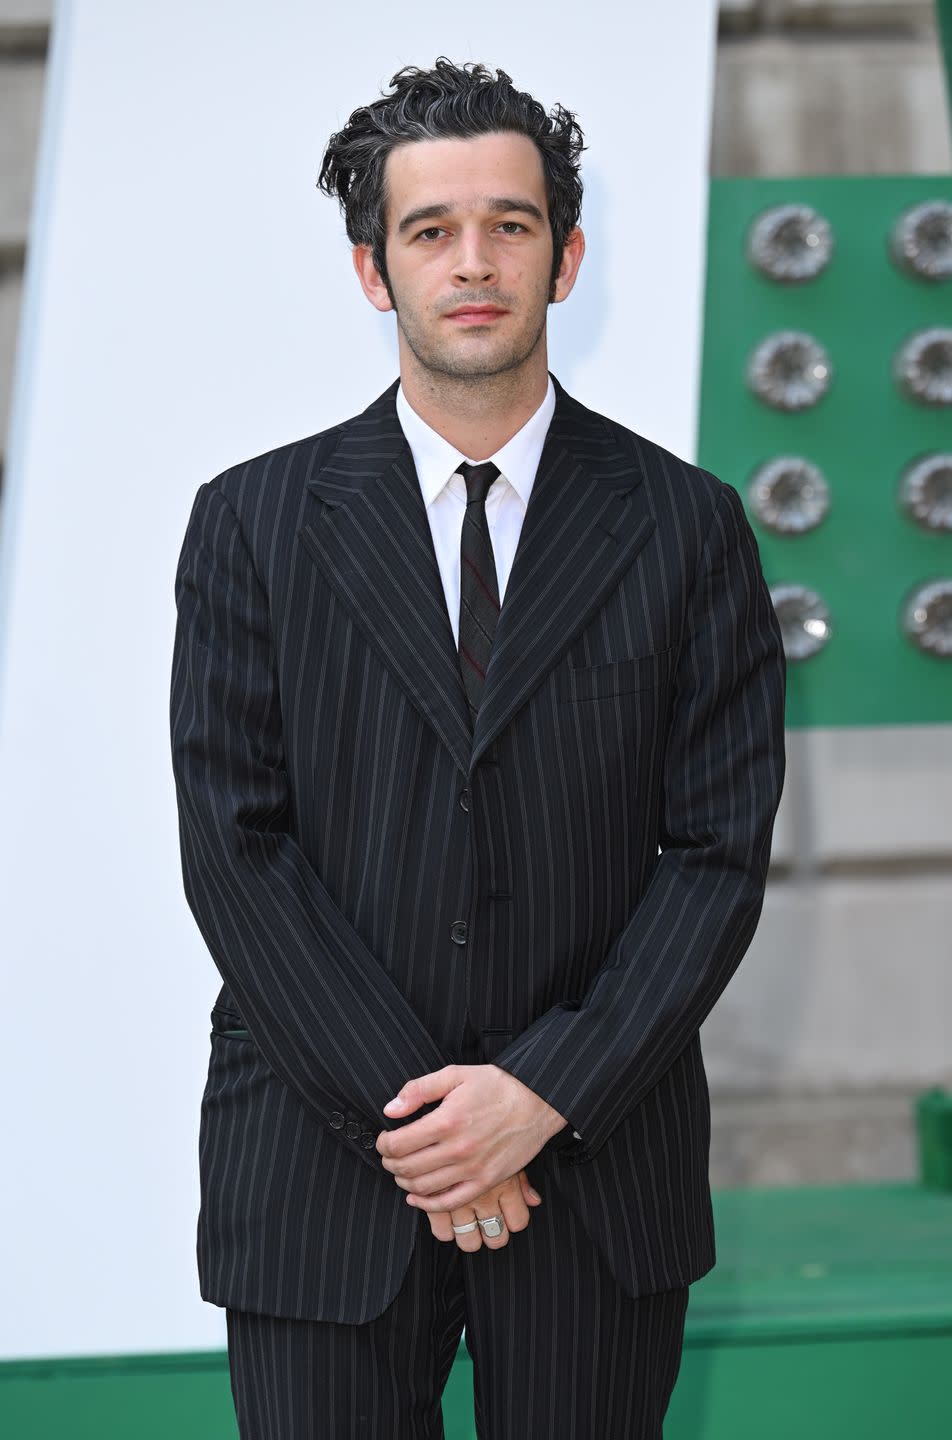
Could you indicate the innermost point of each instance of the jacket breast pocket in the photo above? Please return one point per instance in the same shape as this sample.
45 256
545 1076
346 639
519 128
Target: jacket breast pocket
621 676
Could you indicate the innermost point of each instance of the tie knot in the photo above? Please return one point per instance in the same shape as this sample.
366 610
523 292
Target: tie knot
478 478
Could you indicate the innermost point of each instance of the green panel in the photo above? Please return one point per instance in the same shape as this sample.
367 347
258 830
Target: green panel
155 1397
149 1397
840 1390
827 1261
828 1314
865 555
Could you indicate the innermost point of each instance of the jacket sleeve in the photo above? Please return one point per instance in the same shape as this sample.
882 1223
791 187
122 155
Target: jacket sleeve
321 1009
596 1060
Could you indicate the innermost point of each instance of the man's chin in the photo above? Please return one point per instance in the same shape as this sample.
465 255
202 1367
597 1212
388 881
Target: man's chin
470 366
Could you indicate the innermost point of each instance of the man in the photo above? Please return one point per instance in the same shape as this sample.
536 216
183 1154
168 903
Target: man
477 730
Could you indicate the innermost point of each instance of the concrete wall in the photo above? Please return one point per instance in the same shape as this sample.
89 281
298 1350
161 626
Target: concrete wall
841 1010
851 88
24 31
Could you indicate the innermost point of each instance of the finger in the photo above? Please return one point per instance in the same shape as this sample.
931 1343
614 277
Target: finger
418 1135
441 1224
531 1196
423 1089
446 1183
507 1203
416 1163
473 1239
459 1195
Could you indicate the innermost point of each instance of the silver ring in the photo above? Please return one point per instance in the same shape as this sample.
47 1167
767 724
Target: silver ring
465 1229
492 1225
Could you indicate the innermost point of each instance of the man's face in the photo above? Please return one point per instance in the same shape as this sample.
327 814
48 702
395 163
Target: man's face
490 245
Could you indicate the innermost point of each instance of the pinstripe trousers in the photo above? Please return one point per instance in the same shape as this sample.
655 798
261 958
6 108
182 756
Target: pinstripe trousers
560 1351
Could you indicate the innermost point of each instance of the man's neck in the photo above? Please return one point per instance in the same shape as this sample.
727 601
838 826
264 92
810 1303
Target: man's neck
477 416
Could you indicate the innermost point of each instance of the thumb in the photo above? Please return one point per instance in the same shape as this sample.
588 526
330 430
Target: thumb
422 1090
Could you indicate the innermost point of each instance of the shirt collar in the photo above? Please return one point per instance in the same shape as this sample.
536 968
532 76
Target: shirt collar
436 460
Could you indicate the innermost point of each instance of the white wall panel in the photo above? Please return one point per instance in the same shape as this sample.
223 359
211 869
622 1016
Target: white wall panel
190 301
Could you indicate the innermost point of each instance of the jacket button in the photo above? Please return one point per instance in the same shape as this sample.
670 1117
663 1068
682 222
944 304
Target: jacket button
464 799
352 1130
335 1119
368 1139
458 931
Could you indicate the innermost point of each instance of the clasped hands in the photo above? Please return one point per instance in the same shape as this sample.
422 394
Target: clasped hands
467 1156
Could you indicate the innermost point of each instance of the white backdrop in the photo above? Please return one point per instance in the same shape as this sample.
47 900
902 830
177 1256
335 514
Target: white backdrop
190 302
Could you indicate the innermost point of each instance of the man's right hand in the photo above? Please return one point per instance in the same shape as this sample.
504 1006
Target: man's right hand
511 1199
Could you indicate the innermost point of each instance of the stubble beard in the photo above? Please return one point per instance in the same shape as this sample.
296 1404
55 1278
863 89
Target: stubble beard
454 359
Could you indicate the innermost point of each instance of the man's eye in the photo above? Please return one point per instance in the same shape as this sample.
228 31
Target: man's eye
437 229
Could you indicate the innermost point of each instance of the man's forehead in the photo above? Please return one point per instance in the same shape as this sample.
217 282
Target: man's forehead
437 187
418 161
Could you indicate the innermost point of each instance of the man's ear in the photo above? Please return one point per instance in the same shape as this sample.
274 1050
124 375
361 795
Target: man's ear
369 277
572 253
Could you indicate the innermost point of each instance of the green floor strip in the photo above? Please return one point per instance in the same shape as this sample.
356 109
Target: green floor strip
828 1314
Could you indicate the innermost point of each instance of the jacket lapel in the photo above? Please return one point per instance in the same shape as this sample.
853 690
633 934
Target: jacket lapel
371 538
586 520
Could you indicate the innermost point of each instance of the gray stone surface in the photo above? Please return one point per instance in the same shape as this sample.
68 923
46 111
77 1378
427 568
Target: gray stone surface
847 983
868 797
826 15
836 1138
24 26
21 108
14 13
852 14
11 288
828 105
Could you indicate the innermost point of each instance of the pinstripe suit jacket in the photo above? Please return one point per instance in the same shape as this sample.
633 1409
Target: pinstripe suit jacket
577 878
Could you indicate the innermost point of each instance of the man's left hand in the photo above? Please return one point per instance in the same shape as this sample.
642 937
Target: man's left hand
488 1127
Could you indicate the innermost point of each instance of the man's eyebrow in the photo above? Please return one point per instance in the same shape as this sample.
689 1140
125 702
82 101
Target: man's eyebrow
495 203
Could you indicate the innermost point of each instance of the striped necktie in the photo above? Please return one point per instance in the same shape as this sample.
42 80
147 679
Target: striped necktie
479 590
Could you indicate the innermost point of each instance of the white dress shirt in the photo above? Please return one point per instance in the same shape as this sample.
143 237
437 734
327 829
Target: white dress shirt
444 491
444 494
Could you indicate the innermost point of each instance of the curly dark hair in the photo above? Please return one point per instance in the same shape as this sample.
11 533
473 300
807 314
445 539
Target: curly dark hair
449 101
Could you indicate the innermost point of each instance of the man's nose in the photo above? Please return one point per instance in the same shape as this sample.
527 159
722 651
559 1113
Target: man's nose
473 261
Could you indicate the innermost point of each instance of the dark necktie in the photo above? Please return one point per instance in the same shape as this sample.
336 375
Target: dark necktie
479 590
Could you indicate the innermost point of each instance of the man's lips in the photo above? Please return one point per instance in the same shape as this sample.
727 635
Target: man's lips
476 314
